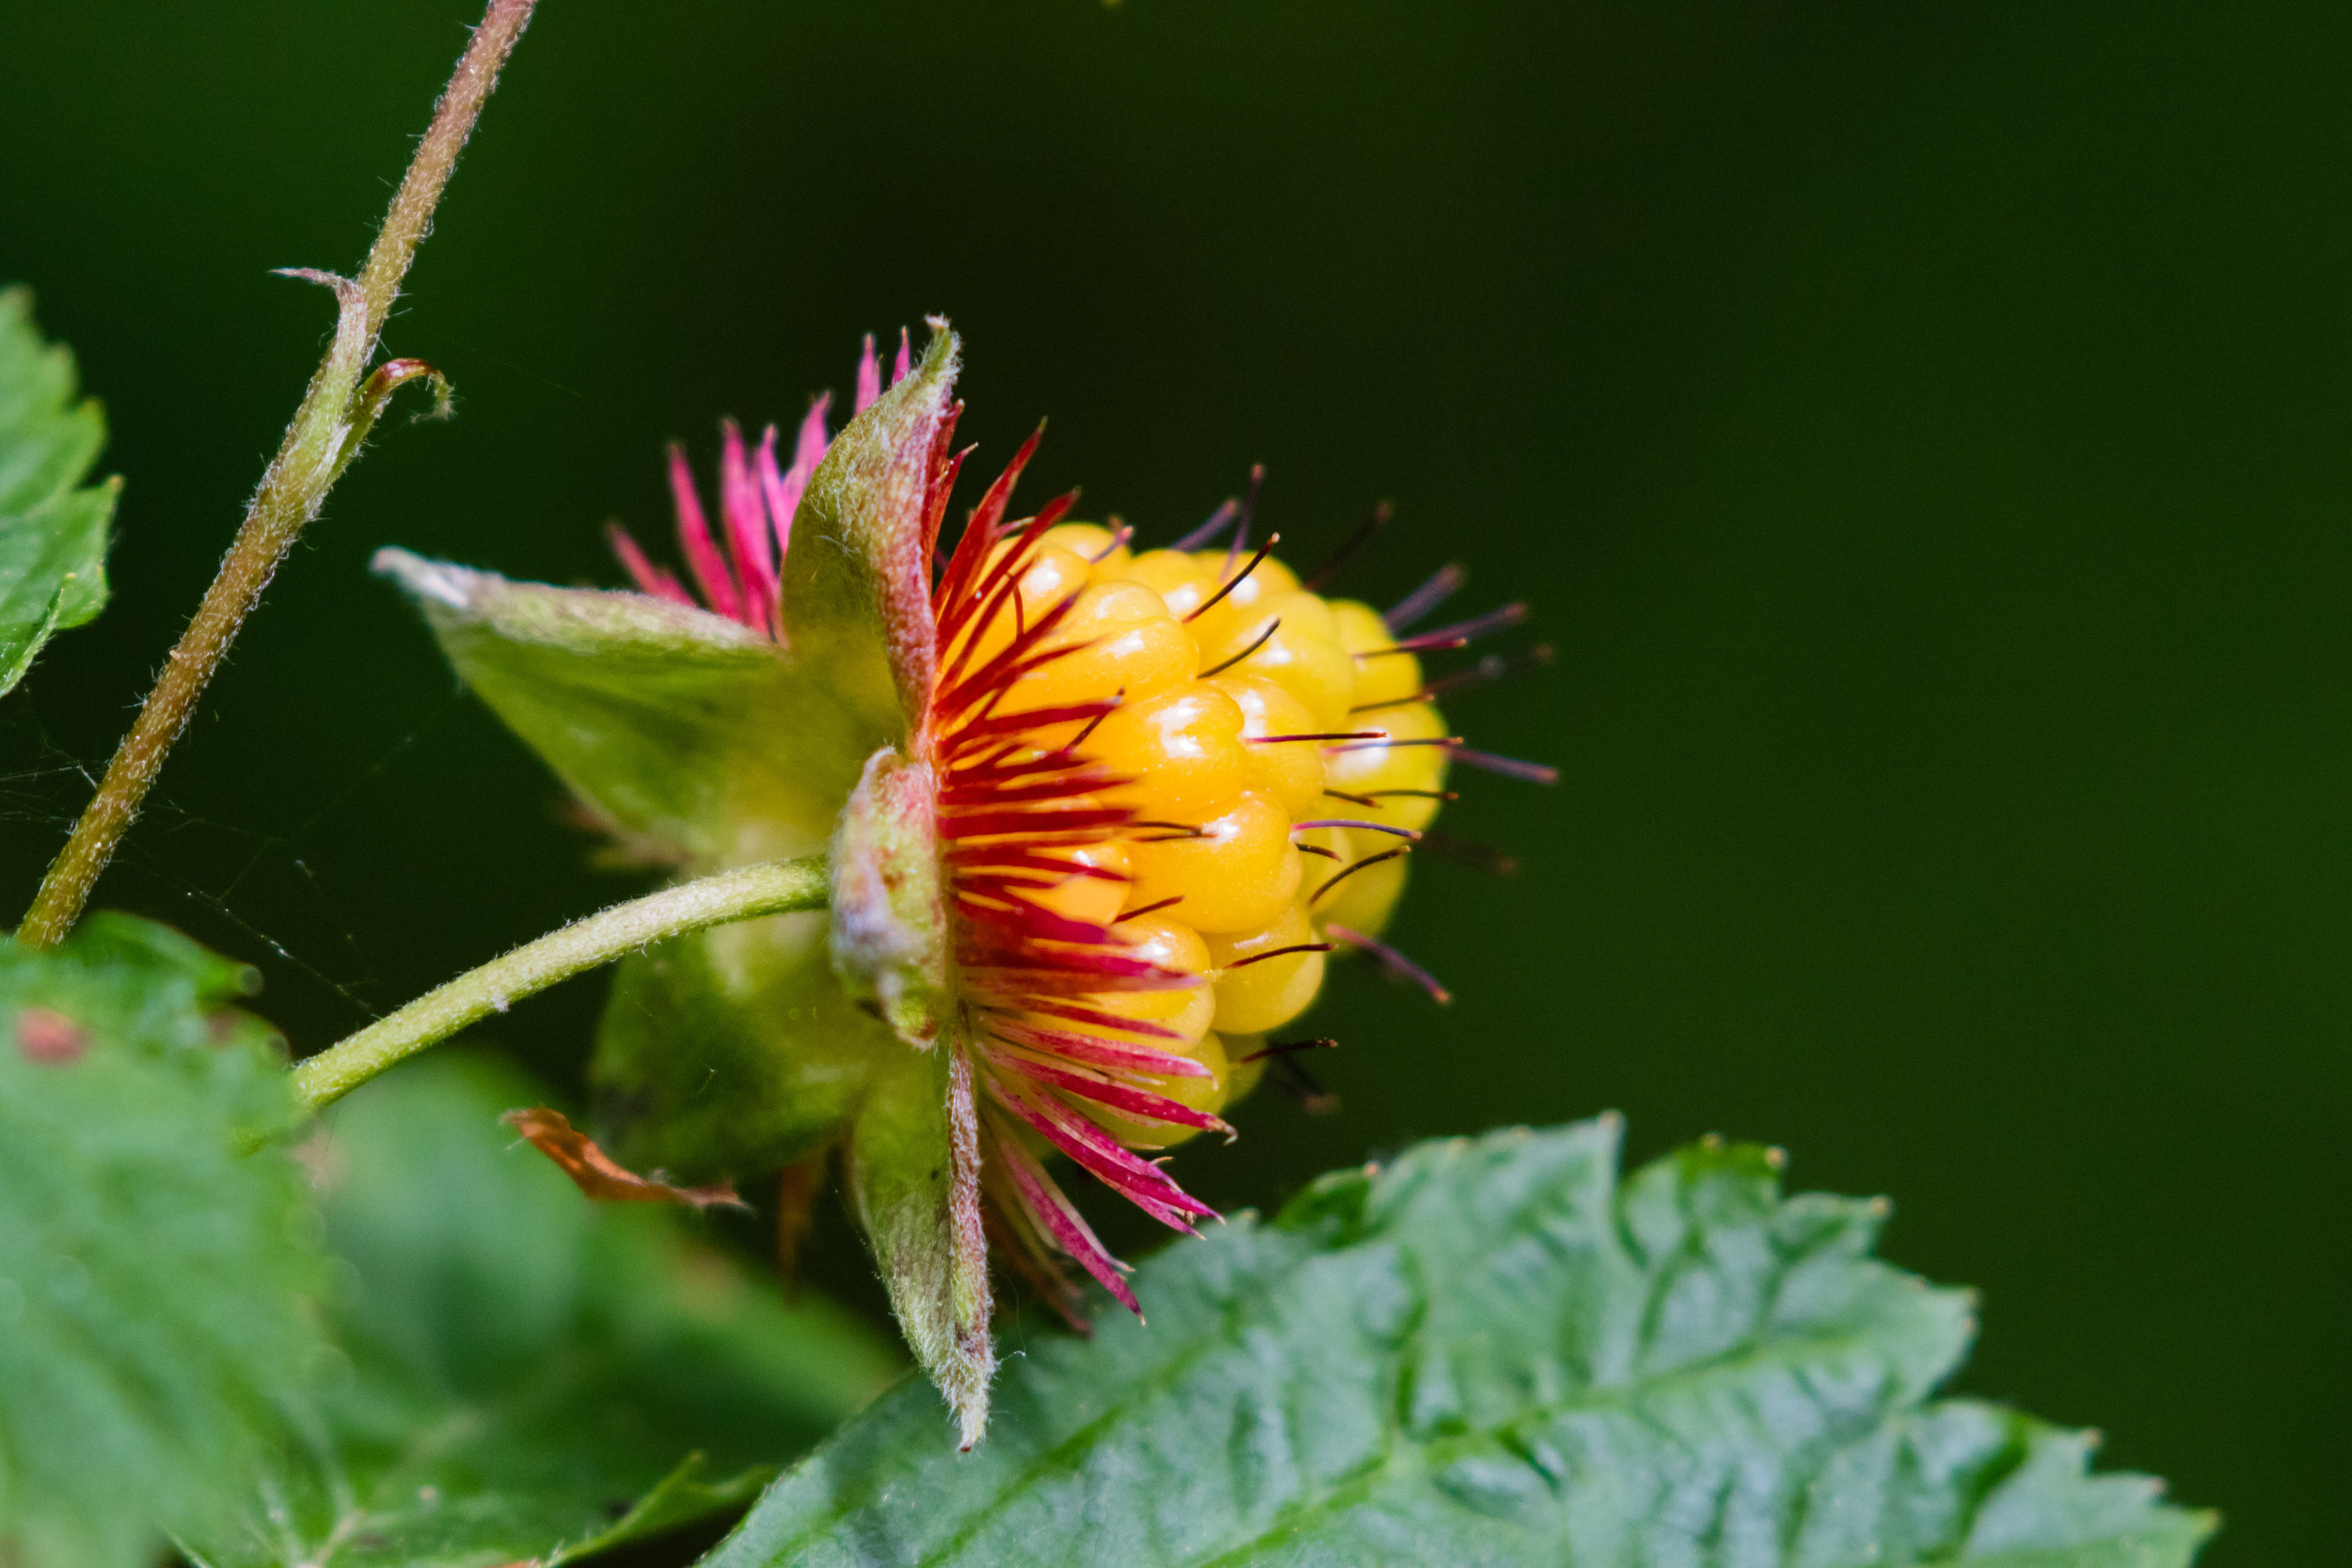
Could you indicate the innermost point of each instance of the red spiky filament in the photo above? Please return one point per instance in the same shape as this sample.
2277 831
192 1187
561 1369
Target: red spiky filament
1021 803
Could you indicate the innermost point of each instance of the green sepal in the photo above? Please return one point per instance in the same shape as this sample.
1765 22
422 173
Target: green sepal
857 578
914 1177
694 738
732 1052
889 909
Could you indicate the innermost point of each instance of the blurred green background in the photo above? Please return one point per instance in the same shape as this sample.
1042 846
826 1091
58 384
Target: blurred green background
1921 430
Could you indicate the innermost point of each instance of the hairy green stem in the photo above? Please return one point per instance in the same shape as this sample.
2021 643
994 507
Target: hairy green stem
325 437
777 887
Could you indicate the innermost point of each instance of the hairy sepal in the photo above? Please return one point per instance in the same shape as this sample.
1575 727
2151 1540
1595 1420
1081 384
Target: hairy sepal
913 1172
889 914
692 738
914 1160
732 1052
857 580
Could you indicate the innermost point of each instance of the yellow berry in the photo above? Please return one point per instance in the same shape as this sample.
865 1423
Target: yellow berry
1290 639
1175 576
1241 1076
1288 771
1269 576
1183 667
1096 900
1236 872
1370 769
1052 574
1361 900
1183 749
1238 602
1118 639
1098 543
1266 993
1381 678
1170 944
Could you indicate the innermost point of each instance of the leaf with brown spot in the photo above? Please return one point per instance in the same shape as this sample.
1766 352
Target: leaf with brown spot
48 1038
156 1285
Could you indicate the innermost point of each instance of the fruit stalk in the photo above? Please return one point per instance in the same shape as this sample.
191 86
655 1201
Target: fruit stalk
775 886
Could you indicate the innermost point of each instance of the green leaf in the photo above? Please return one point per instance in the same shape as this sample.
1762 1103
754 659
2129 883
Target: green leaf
53 535
1490 1352
532 1376
153 1281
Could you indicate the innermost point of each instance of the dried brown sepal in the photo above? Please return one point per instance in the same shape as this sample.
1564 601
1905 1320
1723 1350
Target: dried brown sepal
796 1202
598 1175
